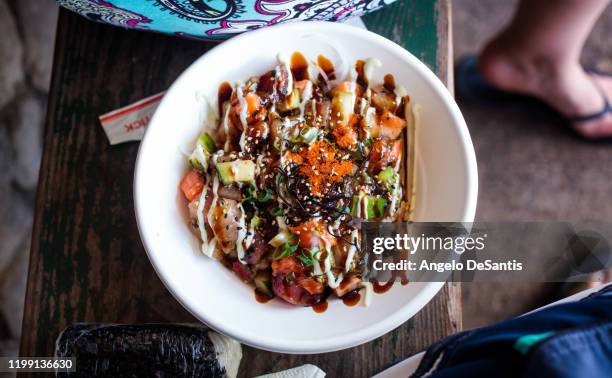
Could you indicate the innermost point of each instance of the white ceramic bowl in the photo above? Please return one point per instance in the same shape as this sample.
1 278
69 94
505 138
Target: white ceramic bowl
447 189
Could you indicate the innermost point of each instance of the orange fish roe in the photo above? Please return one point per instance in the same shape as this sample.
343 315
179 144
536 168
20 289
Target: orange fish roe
346 135
321 167
293 157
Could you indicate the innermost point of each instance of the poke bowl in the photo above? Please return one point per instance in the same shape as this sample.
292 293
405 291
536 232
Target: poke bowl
212 167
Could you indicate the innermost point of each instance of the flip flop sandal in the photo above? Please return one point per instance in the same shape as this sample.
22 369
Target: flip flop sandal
471 86
594 267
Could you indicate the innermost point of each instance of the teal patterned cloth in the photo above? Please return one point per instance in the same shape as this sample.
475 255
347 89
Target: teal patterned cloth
215 19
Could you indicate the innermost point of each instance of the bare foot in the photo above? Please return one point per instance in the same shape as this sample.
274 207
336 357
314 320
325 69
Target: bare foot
564 86
595 279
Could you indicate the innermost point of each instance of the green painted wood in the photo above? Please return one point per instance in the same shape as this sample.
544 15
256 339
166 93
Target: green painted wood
411 24
87 262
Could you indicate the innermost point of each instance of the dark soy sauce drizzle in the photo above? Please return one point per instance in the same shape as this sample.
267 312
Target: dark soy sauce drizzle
224 94
389 82
320 307
381 288
261 297
403 278
327 66
299 66
351 298
361 79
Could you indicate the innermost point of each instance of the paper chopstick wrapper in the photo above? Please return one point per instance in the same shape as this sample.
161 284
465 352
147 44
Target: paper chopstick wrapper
130 122
304 371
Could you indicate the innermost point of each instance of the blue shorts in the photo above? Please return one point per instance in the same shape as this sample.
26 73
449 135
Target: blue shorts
566 340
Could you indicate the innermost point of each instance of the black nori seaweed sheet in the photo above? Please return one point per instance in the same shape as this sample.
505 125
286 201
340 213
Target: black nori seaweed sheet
151 350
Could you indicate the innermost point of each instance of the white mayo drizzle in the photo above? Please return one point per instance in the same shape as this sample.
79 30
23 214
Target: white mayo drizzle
367 289
305 97
250 235
323 75
352 74
226 108
215 187
258 165
400 92
242 142
359 204
331 281
284 61
351 251
241 243
363 106
280 220
243 104
286 128
316 267
201 156
369 115
243 113
210 248
201 225
395 196
348 103
368 68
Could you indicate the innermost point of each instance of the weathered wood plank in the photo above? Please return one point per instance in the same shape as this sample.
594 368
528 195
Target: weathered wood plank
87 261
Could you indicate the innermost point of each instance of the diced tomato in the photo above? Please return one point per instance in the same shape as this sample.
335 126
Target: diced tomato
313 233
242 271
391 126
287 265
311 285
192 185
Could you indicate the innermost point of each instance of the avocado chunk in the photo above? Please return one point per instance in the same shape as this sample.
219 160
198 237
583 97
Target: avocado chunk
242 171
291 102
208 142
389 178
374 207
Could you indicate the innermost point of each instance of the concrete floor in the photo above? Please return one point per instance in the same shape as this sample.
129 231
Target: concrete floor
27 30
529 166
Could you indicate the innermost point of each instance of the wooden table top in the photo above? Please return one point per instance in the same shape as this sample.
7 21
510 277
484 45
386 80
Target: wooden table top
87 262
